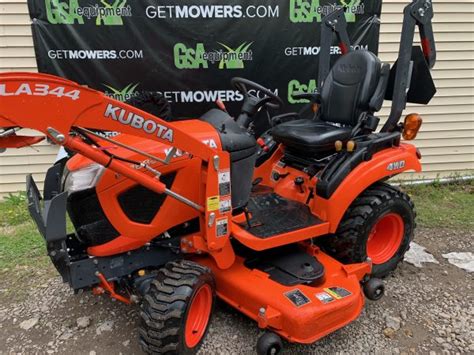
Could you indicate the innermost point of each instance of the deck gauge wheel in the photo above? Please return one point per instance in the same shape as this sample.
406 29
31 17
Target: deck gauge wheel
269 344
374 289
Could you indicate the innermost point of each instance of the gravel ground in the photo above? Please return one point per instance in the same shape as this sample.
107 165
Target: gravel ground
427 310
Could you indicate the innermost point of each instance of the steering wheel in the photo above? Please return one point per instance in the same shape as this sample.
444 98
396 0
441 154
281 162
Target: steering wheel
243 85
252 104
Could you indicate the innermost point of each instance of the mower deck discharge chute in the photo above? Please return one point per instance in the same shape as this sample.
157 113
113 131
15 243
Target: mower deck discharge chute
292 227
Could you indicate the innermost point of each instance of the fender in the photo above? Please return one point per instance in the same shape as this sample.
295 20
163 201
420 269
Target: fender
384 164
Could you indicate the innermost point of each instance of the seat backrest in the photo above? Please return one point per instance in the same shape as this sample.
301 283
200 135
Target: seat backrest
355 84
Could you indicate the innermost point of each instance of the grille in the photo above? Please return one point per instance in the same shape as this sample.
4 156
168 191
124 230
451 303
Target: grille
141 204
88 218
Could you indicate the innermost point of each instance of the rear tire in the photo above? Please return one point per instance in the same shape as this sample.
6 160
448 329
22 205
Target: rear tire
379 224
176 309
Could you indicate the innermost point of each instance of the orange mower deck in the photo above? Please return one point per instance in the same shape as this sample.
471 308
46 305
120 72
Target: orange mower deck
300 313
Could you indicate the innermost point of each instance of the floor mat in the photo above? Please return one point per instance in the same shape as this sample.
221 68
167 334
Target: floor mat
273 214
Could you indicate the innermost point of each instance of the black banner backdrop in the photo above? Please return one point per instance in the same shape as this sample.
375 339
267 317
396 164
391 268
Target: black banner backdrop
190 50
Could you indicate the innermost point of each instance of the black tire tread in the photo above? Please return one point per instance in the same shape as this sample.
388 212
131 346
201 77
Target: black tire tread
163 309
340 245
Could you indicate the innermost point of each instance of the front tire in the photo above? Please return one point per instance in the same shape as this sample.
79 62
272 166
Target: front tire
177 308
379 224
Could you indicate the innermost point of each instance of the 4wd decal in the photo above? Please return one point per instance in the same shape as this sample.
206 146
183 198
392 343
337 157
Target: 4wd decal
396 165
39 90
138 122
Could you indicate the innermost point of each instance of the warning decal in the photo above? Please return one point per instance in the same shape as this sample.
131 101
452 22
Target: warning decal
225 204
222 227
324 297
224 182
297 297
337 292
213 203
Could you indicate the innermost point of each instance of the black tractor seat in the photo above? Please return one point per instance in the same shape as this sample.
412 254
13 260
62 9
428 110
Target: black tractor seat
355 86
310 136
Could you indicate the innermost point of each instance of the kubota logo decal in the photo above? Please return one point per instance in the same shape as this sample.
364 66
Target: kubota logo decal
123 94
311 10
69 12
197 57
295 87
136 121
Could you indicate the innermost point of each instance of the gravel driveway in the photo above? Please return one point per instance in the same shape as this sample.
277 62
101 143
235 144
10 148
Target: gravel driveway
425 310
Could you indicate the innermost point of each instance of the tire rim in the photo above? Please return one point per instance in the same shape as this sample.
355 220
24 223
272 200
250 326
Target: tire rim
198 316
385 238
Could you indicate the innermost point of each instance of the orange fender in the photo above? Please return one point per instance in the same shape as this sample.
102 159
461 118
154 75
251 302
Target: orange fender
384 164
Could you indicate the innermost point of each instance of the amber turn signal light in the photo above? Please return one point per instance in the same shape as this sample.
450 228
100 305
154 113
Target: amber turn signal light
411 126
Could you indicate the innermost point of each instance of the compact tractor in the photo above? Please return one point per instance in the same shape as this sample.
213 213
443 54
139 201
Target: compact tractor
293 228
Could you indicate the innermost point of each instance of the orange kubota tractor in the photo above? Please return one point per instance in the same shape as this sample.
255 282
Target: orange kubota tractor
291 229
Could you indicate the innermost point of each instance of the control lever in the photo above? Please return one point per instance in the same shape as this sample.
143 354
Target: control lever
285 117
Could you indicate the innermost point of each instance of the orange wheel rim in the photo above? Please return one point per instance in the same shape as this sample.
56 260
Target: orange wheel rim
198 316
385 238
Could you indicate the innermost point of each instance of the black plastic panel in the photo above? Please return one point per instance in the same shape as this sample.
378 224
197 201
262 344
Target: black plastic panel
141 204
90 222
288 265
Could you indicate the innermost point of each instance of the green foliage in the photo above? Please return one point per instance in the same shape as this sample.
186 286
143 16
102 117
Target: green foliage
13 210
440 205
21 245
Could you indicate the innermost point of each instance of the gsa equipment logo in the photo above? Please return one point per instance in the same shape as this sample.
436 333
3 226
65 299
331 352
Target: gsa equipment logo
304 11
105 12
123 94
198 58
295 87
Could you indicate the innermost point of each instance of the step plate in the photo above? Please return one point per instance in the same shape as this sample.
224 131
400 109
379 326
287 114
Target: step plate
272 214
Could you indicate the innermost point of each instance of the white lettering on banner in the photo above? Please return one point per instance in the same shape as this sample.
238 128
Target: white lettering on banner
100 54
212 11
199 96
315 50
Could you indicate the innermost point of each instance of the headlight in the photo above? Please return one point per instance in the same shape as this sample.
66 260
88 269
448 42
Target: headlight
82 179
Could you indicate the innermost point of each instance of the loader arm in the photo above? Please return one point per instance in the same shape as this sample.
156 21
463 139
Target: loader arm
56 107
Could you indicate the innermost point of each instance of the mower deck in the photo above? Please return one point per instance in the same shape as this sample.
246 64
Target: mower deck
300 313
